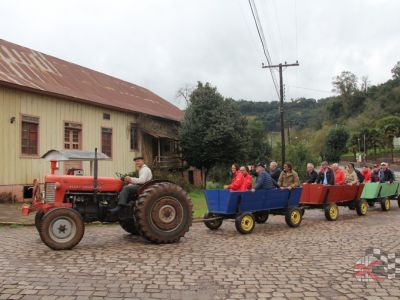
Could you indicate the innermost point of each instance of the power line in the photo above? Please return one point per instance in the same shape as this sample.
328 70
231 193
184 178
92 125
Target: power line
263 43
310 89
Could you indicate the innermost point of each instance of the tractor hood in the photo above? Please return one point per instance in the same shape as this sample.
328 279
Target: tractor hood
84 183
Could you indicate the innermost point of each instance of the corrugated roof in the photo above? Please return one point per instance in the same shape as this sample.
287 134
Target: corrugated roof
24 68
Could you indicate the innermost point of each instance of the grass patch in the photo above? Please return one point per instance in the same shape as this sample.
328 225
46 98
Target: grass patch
15 226
199 203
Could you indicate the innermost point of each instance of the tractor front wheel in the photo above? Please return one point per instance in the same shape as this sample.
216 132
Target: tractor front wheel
130 226
163 213
62 228
38 219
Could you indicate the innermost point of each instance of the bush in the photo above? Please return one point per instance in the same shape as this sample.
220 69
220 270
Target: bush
299 154
6 197
175 177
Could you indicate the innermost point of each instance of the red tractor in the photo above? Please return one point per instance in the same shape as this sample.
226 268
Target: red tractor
161 211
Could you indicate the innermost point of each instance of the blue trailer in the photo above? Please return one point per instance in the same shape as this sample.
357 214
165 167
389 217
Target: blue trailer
248 208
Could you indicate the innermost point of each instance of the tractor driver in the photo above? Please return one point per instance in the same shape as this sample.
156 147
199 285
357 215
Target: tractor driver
133 183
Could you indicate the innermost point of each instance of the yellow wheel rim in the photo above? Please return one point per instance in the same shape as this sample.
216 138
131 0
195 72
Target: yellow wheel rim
387 204
295 217
333 212
364 208
247 223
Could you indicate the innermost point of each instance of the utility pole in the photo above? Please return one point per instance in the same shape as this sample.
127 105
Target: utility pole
280 66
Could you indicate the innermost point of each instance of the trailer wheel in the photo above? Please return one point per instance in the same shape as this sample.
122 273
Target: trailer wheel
38 219
62 228
331 212
261 218
163 213
371 203
212 224
385 204
293 217
245 223
361 207
129 226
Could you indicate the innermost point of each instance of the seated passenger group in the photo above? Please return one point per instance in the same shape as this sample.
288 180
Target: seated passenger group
289 179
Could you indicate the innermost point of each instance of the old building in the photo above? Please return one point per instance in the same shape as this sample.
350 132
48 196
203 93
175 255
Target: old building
47 103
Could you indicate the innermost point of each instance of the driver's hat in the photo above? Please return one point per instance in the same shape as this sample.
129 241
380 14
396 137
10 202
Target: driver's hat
138 158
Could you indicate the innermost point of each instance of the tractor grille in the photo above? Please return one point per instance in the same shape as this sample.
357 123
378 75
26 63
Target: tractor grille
50 189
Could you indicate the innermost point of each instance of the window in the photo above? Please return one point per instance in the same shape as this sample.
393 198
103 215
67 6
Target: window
106 141
73 136
30 135
106 116
134 137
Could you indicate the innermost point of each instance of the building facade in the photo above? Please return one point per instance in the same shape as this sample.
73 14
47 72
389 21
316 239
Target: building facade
47 103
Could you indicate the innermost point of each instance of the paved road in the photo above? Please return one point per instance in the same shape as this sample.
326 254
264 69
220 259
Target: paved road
314 261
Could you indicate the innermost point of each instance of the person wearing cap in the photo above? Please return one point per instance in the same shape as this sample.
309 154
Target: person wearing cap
288 178
385 174
326 175
264 180
133 183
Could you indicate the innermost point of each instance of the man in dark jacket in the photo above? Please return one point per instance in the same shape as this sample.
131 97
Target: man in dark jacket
385 174
274 171
311 175
326 175
264 180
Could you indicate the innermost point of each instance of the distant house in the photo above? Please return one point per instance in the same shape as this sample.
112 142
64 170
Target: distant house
48 103
396 143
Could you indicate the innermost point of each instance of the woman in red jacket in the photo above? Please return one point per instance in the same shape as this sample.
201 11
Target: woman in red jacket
248 180
237 181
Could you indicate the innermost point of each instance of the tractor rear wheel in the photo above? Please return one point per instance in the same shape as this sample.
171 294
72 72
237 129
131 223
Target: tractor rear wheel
130 226
38 219
62 228
163 213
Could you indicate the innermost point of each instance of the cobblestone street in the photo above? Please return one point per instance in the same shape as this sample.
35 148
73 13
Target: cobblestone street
313 261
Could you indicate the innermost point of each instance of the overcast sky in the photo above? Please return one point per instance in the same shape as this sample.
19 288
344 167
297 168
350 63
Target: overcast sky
166 44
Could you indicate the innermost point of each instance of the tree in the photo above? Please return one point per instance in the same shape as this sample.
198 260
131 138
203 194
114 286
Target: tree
184 92
213 130
365 83
345 84
396 71
390 127
299 154
259 148
335 143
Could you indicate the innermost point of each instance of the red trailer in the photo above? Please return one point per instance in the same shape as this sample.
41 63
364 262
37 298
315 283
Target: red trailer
329 197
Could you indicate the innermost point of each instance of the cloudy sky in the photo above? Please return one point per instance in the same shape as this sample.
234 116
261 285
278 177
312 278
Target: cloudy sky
166 44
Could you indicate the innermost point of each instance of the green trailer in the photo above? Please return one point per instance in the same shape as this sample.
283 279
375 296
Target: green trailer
381 192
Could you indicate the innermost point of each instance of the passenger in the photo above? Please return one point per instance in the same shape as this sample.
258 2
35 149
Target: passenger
385 174
339 174
264 180
359 175
288 178
375 173
274 171
350 175
311 174
248 180
326 175
237 181
366 173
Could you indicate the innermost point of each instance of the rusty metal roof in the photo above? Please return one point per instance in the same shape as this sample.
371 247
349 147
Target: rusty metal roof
34 71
